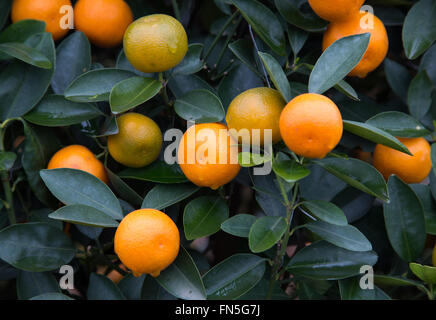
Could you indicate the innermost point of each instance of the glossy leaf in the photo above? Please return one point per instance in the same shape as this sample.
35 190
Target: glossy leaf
249 159
51 296
163 196
200 106
419 93
131 286
404 220
50 248
182 278
132 92
239 225
56 111
398 124
158 171
419 30
233 277
31 284
264 22
102 288
375 135
95 85
26 54
123 189
326 211
266 232
398 78
322 260
192 62
22 30
337 61
358 174
73 186
350 290
243 50
425 273
203 216
290 170
290 11
429 205
347 237
277 75
84 215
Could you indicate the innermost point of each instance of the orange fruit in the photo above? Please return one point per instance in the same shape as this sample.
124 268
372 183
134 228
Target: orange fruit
257 108
147 241
138 141
311 125
103 21
411 169
155 43
378 42
336 10
44 10
81 158
208 155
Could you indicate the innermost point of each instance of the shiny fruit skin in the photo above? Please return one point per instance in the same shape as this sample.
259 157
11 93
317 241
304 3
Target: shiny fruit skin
336 10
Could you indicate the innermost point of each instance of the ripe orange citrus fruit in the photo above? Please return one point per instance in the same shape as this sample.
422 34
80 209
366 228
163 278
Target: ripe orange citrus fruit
411 169
147 241
311 125
138 141
336 10
45 10
103 21
81 158
257 108
155 43
208 155
378 43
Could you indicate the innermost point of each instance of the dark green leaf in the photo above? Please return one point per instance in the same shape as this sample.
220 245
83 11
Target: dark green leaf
326 211
266 232
7 160
158 171
200 106
31 284
35 247
277 75
398 78
429 205
131 286
163 196
350 290
239 225
192 62
26 54
84 215
102 288
290 170
51 296
123 189
290 10
203 216
404 219
419 94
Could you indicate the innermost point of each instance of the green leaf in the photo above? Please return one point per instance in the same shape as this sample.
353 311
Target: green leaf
84 215
23 85
22 30
31 284
192 63
266 232
102 288
158 171
200 106
277 75
233 277
203 216
248 159
347 90
243 50
398 78
7 160
347 237
396 281
73 58
290 11
429 205
182 84
35 247
419 94
337 61
358 174
326 211
73 186
350 290
322 260
51 296
163 196
131 286
264 22
374 134
39 146
5 9
56 111
419 29
152 290
239 225
132 92
96 85
26 54
404 220
425 273
398 124
290 170
297 38
182 278
123 189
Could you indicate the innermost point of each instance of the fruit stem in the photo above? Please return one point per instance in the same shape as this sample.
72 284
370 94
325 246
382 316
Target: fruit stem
220 33
164 90
284 242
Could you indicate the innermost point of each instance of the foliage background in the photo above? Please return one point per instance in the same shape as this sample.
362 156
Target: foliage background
46 102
